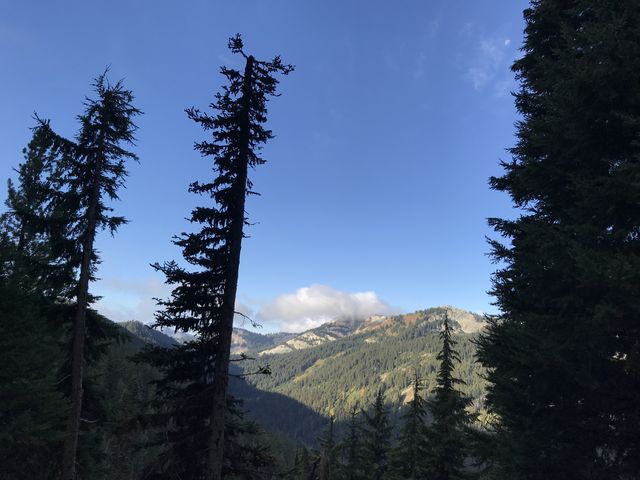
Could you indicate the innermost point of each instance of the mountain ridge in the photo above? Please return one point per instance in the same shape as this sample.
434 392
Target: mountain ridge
462 320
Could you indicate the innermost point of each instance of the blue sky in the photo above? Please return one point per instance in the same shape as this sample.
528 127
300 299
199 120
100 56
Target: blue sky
375 195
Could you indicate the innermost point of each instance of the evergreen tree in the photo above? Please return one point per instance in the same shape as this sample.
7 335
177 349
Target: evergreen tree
94 170
203 299
448 434
410 453
563 354
328 464
304 468
34 250
177 422
33 276
376 440
31 406
351 450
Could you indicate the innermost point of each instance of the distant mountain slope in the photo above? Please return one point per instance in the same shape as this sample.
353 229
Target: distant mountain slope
340 365
148 335
465 321
345 369
243 340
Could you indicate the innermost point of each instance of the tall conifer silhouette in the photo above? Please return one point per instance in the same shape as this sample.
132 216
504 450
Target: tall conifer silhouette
563 355
376 440
203 299
94 171
410 453
447 435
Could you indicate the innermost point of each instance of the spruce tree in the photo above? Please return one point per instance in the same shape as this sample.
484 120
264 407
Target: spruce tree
376 440
203 299
448 433
563 354
410 453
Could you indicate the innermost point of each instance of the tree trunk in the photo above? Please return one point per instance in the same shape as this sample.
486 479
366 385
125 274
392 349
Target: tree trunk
221 366
79 332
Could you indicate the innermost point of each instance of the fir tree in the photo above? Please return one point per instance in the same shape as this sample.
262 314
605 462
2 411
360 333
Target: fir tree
35 252
376 440
33 277
410 453
448 433
563 354
328 464
351 450
31 406
177 422
94 170
304 466
203 299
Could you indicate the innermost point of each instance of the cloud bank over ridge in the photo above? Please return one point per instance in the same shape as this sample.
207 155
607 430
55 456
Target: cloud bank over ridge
311 306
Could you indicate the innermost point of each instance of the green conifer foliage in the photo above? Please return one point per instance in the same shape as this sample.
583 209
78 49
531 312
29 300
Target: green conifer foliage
376 440
563 355
448 433
32 230
328 464
410 453
94 170
32 408
352 449
203 298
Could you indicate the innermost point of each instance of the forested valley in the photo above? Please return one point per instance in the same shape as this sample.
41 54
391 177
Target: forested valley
546 388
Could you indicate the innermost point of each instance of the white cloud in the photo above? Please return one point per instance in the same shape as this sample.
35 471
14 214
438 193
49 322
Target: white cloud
309 307
489 62
306 308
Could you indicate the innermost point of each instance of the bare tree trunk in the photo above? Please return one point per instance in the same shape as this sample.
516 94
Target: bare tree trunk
79 333
221 366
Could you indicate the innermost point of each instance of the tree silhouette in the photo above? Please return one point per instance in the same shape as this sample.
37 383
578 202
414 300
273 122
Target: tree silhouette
447 434
203 299
376 440
410 454
94 171
563 353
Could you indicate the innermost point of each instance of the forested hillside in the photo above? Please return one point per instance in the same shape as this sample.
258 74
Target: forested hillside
309 385
336 376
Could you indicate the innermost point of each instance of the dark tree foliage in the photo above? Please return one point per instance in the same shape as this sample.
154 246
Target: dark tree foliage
305 467
34 248
376 440
91 171
351 451
203 298
564 353
32 408
328 464
411 451
179 413
448 434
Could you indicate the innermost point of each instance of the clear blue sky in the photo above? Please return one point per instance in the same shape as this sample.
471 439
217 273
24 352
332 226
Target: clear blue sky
386 134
